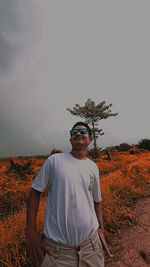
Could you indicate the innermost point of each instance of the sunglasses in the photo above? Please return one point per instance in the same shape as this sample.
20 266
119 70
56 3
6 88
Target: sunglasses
81 131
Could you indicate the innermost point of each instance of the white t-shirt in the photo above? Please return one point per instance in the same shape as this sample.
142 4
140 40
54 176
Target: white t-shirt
74 186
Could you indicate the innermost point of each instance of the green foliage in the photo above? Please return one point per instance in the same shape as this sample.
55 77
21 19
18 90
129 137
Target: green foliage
123 147
94 153
144 144
92 112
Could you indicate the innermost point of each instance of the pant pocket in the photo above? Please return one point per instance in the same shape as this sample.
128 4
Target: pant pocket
48 261
44 262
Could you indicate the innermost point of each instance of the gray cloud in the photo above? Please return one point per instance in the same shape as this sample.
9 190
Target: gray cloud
19 29
7 51
8 24
19 32
56 54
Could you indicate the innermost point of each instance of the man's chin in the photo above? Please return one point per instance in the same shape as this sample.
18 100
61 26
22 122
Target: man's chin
80 144
80 141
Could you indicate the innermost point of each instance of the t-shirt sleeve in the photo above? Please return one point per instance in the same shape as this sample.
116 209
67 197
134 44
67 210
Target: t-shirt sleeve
97 196
43 178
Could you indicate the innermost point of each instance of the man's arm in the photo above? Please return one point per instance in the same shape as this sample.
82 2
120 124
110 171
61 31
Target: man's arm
99 214
34 240
32 209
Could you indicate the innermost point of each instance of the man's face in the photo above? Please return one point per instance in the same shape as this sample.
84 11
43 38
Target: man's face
80 140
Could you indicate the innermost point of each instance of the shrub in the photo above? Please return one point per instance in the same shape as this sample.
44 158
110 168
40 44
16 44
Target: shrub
21 168
123 147
144 143
134 150
94 153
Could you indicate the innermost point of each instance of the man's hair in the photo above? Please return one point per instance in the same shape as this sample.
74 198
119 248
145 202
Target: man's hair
84 124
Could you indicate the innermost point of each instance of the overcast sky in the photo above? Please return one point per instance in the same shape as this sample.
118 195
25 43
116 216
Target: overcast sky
55 54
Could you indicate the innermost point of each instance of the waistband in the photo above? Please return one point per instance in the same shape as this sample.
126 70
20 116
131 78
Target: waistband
91 241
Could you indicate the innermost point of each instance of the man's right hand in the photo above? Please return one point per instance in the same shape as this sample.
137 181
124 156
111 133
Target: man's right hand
102 238
37 248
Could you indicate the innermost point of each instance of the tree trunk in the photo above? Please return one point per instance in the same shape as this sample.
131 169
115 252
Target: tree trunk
108 154
94 137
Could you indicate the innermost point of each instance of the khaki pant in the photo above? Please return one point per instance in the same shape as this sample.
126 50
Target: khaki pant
88 254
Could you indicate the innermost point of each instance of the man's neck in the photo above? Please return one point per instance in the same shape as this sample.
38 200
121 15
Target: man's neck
79 154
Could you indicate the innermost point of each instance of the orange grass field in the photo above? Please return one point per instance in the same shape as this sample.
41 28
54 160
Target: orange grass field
124 180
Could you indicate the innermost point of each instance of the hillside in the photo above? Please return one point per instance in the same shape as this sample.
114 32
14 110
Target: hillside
125 180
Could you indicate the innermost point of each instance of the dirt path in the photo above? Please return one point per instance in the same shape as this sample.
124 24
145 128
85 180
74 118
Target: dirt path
132 239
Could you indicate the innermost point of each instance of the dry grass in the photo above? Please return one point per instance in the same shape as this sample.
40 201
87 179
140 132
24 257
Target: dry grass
14 187
12 235
120 190
128 179
119 161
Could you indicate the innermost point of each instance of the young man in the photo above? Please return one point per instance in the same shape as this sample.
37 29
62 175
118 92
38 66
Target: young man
73 214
